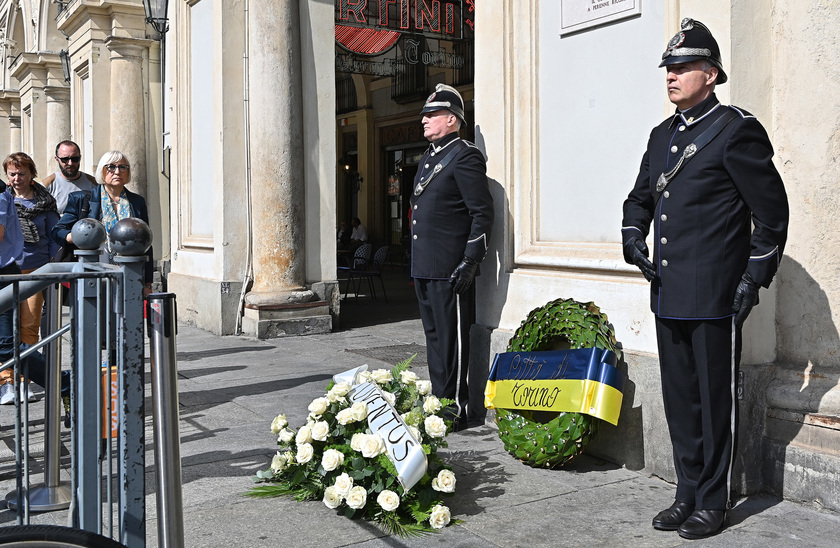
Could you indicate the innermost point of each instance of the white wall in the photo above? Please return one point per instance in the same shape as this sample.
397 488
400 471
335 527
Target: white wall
600 93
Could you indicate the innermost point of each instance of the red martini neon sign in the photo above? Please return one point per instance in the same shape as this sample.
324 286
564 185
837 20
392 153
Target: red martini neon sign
385 21
435 17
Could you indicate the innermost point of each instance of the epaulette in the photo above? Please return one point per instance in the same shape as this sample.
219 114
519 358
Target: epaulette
741 113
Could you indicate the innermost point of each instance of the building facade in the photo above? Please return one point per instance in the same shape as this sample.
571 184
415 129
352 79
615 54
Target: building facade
254 128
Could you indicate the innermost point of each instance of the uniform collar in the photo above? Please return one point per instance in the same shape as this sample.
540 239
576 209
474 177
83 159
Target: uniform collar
443 142
698 112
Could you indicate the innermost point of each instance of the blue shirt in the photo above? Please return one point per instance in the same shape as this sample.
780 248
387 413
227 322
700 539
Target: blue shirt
11 246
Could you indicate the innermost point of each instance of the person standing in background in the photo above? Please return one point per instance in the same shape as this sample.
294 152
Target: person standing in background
69 178
37 216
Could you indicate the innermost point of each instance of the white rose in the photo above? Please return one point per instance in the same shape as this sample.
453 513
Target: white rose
285 436
416 433
372 446
444 482
381 376
388 500
278 424
363 377
343 484
279 462
431 405
357 497
408 377
319 406
345 416
440 517
304 435
435 427
332 397
332 498
356 441
341 389
389 397
333 458
424 387
359 410
320 431
304 453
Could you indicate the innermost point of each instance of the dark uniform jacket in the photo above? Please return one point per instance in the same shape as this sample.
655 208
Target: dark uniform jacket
703 241
453 215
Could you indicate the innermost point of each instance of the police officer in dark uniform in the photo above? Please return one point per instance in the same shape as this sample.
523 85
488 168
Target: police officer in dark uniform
706 176
451 218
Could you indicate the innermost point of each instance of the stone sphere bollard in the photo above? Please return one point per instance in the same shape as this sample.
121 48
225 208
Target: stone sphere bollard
88 234
130 237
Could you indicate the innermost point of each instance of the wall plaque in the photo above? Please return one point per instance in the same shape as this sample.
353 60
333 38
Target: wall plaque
577 15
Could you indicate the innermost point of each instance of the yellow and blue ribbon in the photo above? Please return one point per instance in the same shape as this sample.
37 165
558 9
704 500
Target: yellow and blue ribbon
585 381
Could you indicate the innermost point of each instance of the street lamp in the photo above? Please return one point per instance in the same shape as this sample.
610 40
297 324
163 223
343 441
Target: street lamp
156 14
64 55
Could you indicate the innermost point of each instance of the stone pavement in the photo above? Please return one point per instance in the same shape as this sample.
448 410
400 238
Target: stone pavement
232 387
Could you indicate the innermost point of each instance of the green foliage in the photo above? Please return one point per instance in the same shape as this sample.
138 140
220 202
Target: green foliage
551 440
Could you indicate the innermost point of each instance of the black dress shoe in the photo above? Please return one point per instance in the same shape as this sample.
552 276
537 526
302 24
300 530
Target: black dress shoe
673 517
702 524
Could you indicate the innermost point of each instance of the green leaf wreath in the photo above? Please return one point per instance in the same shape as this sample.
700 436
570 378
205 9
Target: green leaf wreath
544 439
336 459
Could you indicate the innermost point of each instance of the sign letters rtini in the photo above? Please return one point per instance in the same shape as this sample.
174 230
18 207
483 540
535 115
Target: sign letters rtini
434 18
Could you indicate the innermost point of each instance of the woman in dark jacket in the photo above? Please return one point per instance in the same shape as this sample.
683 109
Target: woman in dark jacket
108 202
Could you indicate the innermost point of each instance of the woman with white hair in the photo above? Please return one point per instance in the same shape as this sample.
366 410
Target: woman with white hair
108 202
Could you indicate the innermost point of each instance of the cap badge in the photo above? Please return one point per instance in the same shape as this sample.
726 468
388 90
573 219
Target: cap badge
431 97
676 41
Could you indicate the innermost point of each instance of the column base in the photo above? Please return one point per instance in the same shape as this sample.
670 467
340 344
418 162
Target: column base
285 314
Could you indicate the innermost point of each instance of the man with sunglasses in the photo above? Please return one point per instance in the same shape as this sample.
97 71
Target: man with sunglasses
69 178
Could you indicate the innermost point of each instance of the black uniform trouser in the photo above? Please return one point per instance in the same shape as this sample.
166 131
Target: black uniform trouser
447 318
699 362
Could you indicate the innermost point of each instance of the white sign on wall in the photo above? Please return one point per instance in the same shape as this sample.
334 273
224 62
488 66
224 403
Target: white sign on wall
576 15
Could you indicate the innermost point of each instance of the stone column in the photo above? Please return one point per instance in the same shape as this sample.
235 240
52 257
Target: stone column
128 101
277 176
277 186
58 117
15 144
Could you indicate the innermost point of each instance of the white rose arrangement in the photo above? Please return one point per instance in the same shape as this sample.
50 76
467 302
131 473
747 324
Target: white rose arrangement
335 457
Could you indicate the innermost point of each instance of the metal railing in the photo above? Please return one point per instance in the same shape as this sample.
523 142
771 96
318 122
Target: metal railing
106 494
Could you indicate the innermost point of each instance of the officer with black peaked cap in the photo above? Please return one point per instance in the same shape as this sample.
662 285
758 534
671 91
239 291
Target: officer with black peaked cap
707 177
451 219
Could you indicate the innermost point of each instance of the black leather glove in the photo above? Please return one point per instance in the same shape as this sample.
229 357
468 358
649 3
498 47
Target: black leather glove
636 252
463 275
746 297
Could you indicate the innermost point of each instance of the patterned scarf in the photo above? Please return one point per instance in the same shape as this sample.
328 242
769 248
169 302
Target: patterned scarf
44 203
111 213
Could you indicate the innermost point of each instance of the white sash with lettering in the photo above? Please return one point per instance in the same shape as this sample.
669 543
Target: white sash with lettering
402 449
